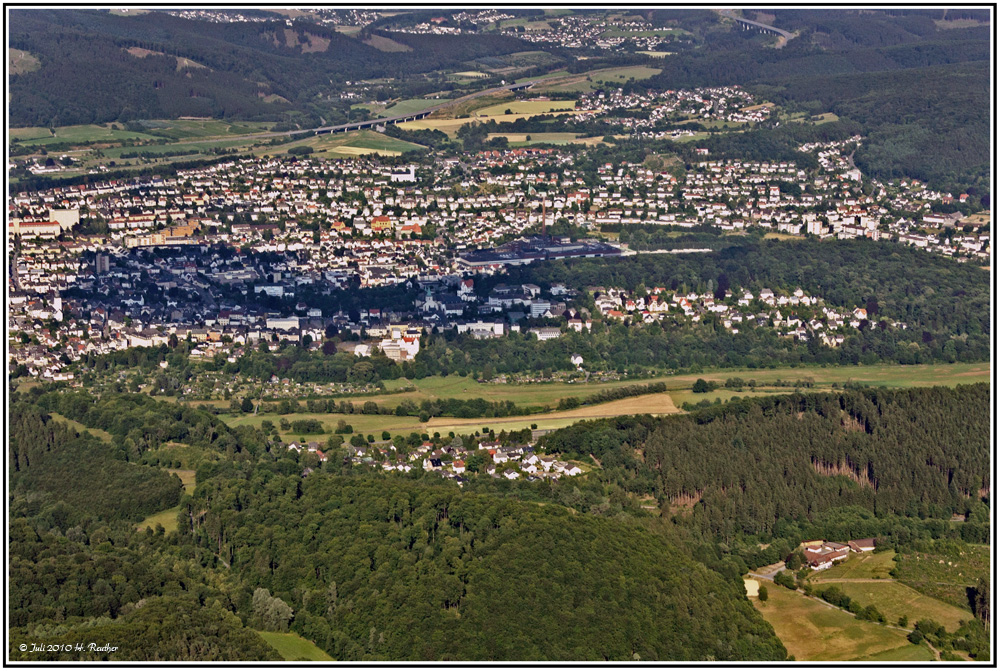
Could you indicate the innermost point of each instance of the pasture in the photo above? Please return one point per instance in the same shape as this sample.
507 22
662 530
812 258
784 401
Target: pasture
895 599
294 648
39 137
815 631
168 518
866 566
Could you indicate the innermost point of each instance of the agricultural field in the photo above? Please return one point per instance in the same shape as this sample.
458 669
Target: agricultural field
945 573
39 137
375 424
588 81
812 630
451 126
528 107
294 648
355 143
528 139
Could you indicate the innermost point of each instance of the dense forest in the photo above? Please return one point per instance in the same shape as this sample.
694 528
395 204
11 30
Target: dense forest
368 568
750 467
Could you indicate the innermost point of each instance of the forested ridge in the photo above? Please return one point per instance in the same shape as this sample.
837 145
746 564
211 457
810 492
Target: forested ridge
378 567
748 467
367 567
88 76
392 570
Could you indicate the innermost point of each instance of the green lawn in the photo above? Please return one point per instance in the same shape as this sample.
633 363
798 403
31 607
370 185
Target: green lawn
294 648
813 631
168 518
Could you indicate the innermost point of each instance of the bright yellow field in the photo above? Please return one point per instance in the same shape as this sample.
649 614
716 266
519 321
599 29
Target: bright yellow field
528 107
451 126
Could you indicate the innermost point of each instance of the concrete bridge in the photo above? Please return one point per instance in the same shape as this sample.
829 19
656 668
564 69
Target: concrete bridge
747 24
414 116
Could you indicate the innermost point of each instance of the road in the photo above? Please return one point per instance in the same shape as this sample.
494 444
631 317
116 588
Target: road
370 123
783 35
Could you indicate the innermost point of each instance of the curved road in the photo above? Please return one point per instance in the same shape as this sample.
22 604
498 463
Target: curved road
370 123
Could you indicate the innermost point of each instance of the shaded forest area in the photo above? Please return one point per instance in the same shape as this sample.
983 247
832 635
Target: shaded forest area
87 76
756 466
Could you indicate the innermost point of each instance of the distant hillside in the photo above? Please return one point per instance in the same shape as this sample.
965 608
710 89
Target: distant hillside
99 67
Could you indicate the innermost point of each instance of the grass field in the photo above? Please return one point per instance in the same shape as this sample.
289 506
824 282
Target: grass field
99 433
521 139
528 107
895 599
294 648
187 478
375 424
813 631
167 518
586 81
39 137
408 106
657 54
355 143
866 566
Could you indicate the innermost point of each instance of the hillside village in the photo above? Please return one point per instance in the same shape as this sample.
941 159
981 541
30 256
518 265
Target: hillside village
453 461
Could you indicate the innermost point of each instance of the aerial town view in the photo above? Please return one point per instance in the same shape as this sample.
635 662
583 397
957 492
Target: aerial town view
570 334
